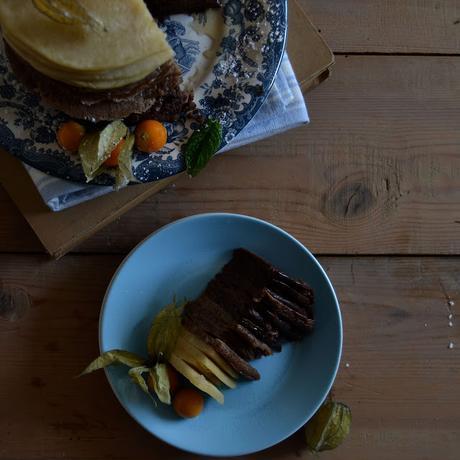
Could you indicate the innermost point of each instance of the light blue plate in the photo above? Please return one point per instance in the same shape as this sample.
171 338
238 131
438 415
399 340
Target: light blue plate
179 260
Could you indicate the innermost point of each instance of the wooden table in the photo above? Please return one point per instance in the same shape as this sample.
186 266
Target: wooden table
372 186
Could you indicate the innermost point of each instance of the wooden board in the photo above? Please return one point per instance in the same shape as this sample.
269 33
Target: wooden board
388 26
377 171
401 382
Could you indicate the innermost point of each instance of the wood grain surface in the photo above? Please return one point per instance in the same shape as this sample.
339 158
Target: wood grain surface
388 26
376 172
401 381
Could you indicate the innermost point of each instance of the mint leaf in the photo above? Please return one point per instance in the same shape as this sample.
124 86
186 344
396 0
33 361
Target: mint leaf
202 146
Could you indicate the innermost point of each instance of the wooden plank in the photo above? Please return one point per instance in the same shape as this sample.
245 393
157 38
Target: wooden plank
15 233
388 26
401 381
377 171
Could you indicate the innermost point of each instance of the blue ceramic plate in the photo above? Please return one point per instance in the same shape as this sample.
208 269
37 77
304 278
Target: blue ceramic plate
179 260
229 57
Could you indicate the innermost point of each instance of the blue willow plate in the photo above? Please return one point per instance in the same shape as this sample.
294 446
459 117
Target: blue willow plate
230 58
179 260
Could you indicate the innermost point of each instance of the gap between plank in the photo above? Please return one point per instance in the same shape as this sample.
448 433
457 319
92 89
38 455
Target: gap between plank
316 254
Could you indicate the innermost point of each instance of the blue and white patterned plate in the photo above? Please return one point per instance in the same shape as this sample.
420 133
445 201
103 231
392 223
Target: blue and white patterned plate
230 58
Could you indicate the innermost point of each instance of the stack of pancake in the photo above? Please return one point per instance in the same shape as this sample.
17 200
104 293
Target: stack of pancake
120 67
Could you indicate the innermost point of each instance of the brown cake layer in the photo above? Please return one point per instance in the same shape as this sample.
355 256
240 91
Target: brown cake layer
248 310
157 96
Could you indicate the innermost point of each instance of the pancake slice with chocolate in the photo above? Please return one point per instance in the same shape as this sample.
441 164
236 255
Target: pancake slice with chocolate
248 310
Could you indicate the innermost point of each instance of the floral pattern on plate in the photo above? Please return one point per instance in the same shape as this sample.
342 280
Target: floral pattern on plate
230 62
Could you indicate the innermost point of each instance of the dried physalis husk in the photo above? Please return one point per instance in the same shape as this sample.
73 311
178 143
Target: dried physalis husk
160 380
114 357
124 172
136 376
164 332
68 12
329 426
95 148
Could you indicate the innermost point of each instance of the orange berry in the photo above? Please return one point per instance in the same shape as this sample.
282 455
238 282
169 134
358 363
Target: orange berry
150 383
112 161
69 135
151 136
173 377
188 403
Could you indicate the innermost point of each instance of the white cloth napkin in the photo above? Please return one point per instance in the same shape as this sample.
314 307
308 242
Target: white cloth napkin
284 109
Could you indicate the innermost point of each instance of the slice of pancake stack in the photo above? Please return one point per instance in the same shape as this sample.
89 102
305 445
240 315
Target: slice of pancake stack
116 64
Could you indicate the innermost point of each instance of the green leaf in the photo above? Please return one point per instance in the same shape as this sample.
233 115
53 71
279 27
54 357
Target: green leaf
329 427
114 357
95 148
160 380
136 376
164 332
202 146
